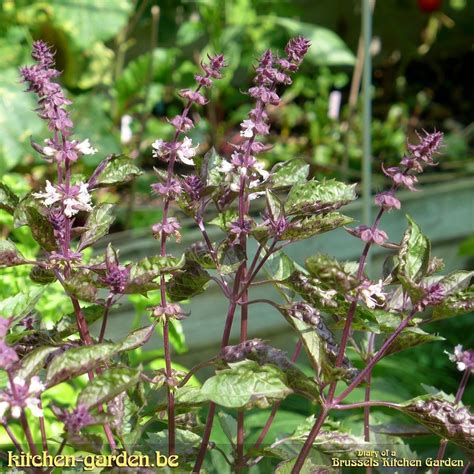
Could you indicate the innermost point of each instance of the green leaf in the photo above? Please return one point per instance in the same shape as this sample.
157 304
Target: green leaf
77 361
456 304
318 197
82 285
246 382
136 339
228 425
187 282
8 199
414 255
289 173
10 256
224 219
187 442
330 272
412 337
318 341
119 170
89 21
327 47
144 272
209 168
97 225
34 361
41 229
443 418
42 276
279 266
22 304
107 386
68 325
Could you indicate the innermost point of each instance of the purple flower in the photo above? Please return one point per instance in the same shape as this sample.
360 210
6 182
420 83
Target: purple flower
214 67
387 200
8 356
77 419
240 229
399 178
169 227
276 226
367 234
193 186
182 124
51 98
170 310
434 294
21 395
429 145
193 96
265 95
296 49
116 276
203 80
169 190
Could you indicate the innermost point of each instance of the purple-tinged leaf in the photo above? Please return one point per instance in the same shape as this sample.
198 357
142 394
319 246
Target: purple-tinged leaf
10 256
97 225
8 199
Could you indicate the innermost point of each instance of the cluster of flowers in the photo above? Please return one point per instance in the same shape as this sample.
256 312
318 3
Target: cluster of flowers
244 170
19 393
63 200
464 359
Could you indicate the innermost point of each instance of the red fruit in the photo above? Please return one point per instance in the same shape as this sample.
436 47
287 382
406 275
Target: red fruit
429 6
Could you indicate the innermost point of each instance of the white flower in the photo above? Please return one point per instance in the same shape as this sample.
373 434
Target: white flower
50 196
23 396
158 148
247 128
327 295
372 294
75 200
226 166
85 147
81 201
186 151
259 167
126 133
3 408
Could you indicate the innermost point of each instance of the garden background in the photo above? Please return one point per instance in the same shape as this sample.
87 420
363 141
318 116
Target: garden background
122 61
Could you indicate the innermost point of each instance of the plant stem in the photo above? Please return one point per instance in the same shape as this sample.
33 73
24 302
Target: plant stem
44 438
170 394
108 304
12 437
443 444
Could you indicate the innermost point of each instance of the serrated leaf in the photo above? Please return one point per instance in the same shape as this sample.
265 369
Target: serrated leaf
68 325
414 255
107 386
97 225
8 199
77 361
34 361
316 197
289 173
224 219
246 382
144 272
82 285
330 272
20 305
119 170
187 442
41 229
279 266
411 337
318 341
10 256
443 418
136 339
189 281
42 276
456 304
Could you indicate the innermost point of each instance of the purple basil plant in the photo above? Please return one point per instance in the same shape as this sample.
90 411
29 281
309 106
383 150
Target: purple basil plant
334 308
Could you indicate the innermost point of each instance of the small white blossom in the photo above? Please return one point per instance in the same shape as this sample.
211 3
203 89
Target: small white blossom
50 196
464 359
158 148
24 395
76 199
372 294
327 295
186 151
85 147
247 128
